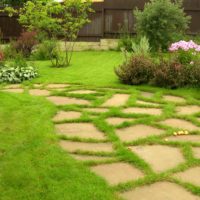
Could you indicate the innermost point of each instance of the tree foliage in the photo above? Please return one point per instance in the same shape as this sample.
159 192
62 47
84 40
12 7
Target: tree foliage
161 21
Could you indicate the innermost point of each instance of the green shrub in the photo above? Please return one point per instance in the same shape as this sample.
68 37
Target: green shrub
161 21
17 72
9 51
44 50
138 70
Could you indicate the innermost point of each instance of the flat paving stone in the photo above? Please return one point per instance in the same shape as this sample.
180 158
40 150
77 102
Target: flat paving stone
188 110
174 99
135 132
66 115
83 92
184 138
146 103
180 124
148 111
117 100
147 94
159 191
86 147
96 110
196 151
17 90
13 86
191 175
58 100
91 157
160 157
38 92
116 173
82 130
57 86
118 120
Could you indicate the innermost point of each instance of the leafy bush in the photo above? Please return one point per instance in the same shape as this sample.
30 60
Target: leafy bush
45 50
161 21
17 72
9 51
138 70
25 43
1 56
169 74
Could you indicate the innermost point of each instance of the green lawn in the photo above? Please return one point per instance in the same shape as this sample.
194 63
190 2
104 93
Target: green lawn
32 166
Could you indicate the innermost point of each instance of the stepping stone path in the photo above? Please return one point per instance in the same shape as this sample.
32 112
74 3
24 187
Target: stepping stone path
161 158
160 191
147 111
191 175
185 138
137 132
81 130
116 173
117 100
187 110
82 92
86 143
66 115
196 151
91 158
61 101
96 110
38 92
147 94
180 124
147 103
174 99
115 121
73 147
12 90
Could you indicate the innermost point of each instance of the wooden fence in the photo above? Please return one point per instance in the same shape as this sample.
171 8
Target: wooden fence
109 16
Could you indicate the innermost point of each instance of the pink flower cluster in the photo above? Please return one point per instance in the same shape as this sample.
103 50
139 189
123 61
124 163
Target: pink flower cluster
184 46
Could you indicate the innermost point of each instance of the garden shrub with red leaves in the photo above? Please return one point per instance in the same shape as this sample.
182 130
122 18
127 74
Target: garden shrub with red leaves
1 56
25 43
138 70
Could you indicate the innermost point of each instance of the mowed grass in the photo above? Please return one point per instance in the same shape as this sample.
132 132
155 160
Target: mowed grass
87 67
32 166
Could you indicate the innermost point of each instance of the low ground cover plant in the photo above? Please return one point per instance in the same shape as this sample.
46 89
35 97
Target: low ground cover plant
17 71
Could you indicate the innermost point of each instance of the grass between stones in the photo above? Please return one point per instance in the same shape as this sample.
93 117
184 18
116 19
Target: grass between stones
122 152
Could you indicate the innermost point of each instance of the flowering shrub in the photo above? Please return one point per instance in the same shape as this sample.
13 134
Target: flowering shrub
187 52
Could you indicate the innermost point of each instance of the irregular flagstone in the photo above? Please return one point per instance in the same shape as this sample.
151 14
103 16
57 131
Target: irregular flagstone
58 100
160 157
86 147
13 86
148 111
160 191
91 158
196 151
66 115
147 94
180 124
118 120
147 103
57 86
82 130
117 100
96 110
17 90
188 110
191 175
38 92
116 173
140 131
174 99
184 138
83 92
